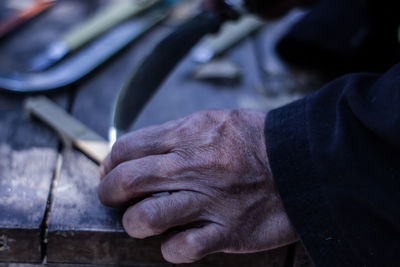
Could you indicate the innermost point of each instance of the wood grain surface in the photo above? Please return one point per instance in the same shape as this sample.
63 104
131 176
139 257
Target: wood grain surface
28 149
28 154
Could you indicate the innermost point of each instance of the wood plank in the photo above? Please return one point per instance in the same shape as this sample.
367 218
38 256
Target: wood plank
81 230
28 149
28 154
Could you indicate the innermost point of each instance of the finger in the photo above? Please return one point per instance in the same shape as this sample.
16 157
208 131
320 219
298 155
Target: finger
142 177
156 215
102 169
152 140
193 244
105 166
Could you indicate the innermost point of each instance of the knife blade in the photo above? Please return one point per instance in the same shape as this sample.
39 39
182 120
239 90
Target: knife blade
24 15
86 59
152 71
79 36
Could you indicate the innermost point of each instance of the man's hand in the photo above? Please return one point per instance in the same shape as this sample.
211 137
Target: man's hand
215 167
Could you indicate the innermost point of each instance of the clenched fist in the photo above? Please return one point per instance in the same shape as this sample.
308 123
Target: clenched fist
221 197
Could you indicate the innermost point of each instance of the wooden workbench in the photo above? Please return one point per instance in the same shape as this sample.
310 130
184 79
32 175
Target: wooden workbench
49 211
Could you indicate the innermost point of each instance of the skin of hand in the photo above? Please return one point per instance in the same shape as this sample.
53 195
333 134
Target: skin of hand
222 195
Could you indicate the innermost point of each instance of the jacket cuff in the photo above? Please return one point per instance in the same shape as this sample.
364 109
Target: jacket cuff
300 187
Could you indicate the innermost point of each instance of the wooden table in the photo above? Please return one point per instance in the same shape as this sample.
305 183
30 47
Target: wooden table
49 211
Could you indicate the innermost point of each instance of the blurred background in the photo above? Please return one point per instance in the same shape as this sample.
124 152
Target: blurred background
246 72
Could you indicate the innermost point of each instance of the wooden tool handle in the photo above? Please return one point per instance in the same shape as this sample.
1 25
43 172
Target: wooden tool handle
233 32
104 20
69 128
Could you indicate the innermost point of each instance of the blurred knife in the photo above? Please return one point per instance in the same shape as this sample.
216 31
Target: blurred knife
23 15
229 35
88 58
89 30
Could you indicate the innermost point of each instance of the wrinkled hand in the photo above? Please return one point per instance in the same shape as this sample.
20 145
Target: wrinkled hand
222 194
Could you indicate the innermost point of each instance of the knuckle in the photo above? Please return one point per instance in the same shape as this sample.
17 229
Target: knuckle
128 223
205 116
101 194
140 222
182 157
148 219
122 179
118 151
185 248
119 176
194 247
235 113
202 114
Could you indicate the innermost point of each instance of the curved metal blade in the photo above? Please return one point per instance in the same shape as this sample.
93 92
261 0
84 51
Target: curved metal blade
153 70
83 62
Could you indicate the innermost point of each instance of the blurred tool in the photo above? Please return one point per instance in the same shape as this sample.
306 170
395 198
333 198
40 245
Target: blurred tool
23 15
89 30
218 70
230 34
148 76
183 11
71 131
87 59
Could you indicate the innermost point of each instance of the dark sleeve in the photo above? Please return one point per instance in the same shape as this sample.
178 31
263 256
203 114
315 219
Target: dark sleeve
335 157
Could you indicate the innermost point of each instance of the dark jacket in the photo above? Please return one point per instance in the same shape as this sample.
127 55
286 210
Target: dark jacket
335 156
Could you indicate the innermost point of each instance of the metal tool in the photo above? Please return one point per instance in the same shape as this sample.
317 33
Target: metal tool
89 30
230 34
87 59
23 15
152 71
